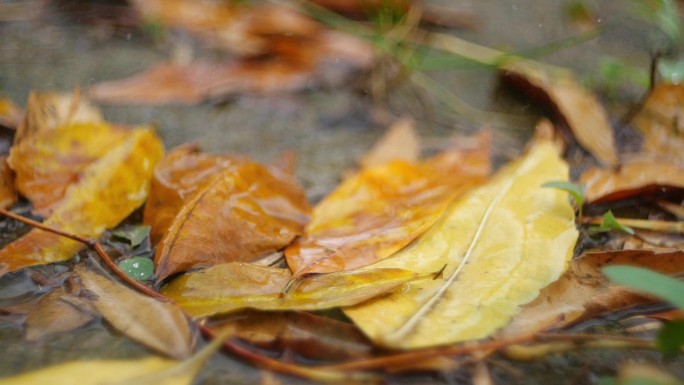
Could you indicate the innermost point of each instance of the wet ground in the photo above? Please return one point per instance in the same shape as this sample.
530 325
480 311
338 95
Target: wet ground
328 127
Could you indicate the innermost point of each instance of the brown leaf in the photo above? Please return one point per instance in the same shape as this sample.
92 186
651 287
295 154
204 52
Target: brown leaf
10 113
583 291
641 176
8 192
400 142
661 122
573 104
53 315
306 334
240 213
161 326
383 208
55 158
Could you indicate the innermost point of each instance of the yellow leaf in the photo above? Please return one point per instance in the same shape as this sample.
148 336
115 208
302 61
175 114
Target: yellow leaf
381 209
499 245
109 190
145 371
233 286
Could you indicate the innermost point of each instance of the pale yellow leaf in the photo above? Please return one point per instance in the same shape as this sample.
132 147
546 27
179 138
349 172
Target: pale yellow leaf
499 245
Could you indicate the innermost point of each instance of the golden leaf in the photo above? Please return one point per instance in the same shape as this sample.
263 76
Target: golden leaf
498 245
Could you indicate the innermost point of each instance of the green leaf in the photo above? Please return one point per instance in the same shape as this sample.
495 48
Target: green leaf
648 281
610 223
672 71
135 235
671 338
139 268
574 190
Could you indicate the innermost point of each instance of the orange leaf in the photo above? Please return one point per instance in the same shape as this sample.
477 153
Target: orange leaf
661 121
8 192
240 213
10 114
109 190
383 208
644 175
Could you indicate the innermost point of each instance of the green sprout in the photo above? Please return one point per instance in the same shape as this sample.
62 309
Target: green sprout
574 190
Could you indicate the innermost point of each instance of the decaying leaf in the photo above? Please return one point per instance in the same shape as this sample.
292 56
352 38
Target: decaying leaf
573 104
108 191
304 333
583 291
643 175
661 121
161 326
144 371
234 286
46 111
10 114
400 142
497 246
383 208
239 212
8 192
54 159
53 315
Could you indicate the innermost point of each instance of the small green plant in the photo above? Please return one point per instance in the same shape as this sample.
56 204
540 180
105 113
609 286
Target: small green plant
609 223
671 337
574 190
140 268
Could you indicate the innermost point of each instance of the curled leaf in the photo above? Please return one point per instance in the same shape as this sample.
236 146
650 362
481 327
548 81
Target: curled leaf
54 315
161 326
498 245
573 104
661 122
109 190
233 286
383 208
242 213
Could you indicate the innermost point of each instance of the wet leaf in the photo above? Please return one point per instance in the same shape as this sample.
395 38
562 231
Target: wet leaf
583 291
144 371
661 122
140 268
110 189
381 209
498 245
306 334
8 192
135 235
161 326
46 111
234 286
240 214
54 315
642 176
573 104
400 142
54 159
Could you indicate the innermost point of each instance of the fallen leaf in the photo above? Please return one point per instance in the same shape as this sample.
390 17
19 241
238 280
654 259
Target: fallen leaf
53 315
54 159
241 213
641 176
583 291
633 373
144 371
400 142
306 334
10 113
661 122
381 209
573 104
8 192
46 111
110 189
234 286
497 245
161 326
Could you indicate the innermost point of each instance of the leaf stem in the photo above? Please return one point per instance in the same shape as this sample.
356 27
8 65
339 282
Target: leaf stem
643 224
